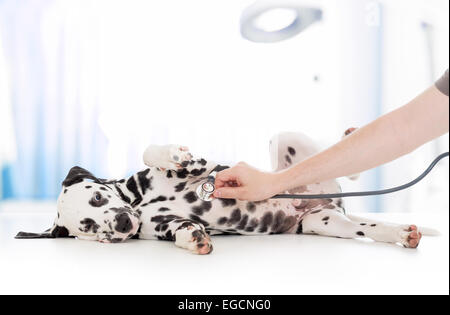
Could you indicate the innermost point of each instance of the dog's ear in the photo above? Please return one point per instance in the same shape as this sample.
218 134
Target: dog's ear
55 232
78 174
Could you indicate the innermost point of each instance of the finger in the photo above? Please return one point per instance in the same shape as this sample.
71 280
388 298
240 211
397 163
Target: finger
224 176
229 193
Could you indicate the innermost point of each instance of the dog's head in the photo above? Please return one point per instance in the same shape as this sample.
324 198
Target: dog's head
90 208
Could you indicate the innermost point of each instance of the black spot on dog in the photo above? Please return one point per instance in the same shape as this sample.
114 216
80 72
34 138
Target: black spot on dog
164 218
228 202
288 159
199 220
97 200
362 224
205 206
198 210
183 173
326 219
169 236
252 225
60 231
291 151
132 186
169 174
315 211
89 225
251 207
163 209
186 223
161 227
103 188
222 220
172 198
202 162
88 187
278 221
77 175
65 190
265 222
359 233
288 223
235 217
191 197
243 223
122 195
299 228
373 225
158 199
144 182
198 172
180 186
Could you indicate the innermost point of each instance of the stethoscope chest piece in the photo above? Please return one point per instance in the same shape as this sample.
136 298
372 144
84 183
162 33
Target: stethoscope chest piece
206 190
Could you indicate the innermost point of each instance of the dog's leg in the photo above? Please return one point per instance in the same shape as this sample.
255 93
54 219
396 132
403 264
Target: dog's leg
167 157
289 148
186 233
336 224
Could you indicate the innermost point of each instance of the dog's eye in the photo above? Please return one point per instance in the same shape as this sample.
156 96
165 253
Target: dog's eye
97 200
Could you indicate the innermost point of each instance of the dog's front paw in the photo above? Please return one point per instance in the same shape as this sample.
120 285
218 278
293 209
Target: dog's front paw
410 236
194 240
179 156
167 157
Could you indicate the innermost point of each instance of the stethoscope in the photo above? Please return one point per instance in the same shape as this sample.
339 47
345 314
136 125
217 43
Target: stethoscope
206 190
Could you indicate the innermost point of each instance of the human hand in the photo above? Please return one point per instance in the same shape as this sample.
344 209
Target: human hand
245 182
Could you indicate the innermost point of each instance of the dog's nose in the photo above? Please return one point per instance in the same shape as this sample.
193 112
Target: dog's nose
124 224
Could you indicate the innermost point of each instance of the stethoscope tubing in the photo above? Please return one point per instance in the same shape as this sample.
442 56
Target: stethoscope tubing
367 193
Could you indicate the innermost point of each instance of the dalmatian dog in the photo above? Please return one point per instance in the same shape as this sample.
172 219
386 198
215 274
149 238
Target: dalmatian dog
160 202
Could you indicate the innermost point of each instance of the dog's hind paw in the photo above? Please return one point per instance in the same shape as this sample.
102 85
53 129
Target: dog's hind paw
410 236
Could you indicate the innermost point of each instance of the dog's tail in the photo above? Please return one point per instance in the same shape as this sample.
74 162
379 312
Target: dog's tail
424 230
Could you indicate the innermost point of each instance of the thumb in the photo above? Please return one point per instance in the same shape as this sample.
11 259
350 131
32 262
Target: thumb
229 192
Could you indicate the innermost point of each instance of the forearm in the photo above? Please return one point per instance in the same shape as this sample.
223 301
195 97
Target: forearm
387 138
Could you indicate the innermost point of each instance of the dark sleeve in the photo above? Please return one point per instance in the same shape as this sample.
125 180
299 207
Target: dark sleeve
442 83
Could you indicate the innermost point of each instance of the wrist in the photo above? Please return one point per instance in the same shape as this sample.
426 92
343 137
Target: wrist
279 182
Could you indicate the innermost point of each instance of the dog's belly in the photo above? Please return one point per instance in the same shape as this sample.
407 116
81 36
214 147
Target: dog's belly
226 216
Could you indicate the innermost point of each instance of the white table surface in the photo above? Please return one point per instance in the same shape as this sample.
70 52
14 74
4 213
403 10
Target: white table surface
279 264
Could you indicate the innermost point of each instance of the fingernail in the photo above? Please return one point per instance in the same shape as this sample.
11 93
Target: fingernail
217 193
